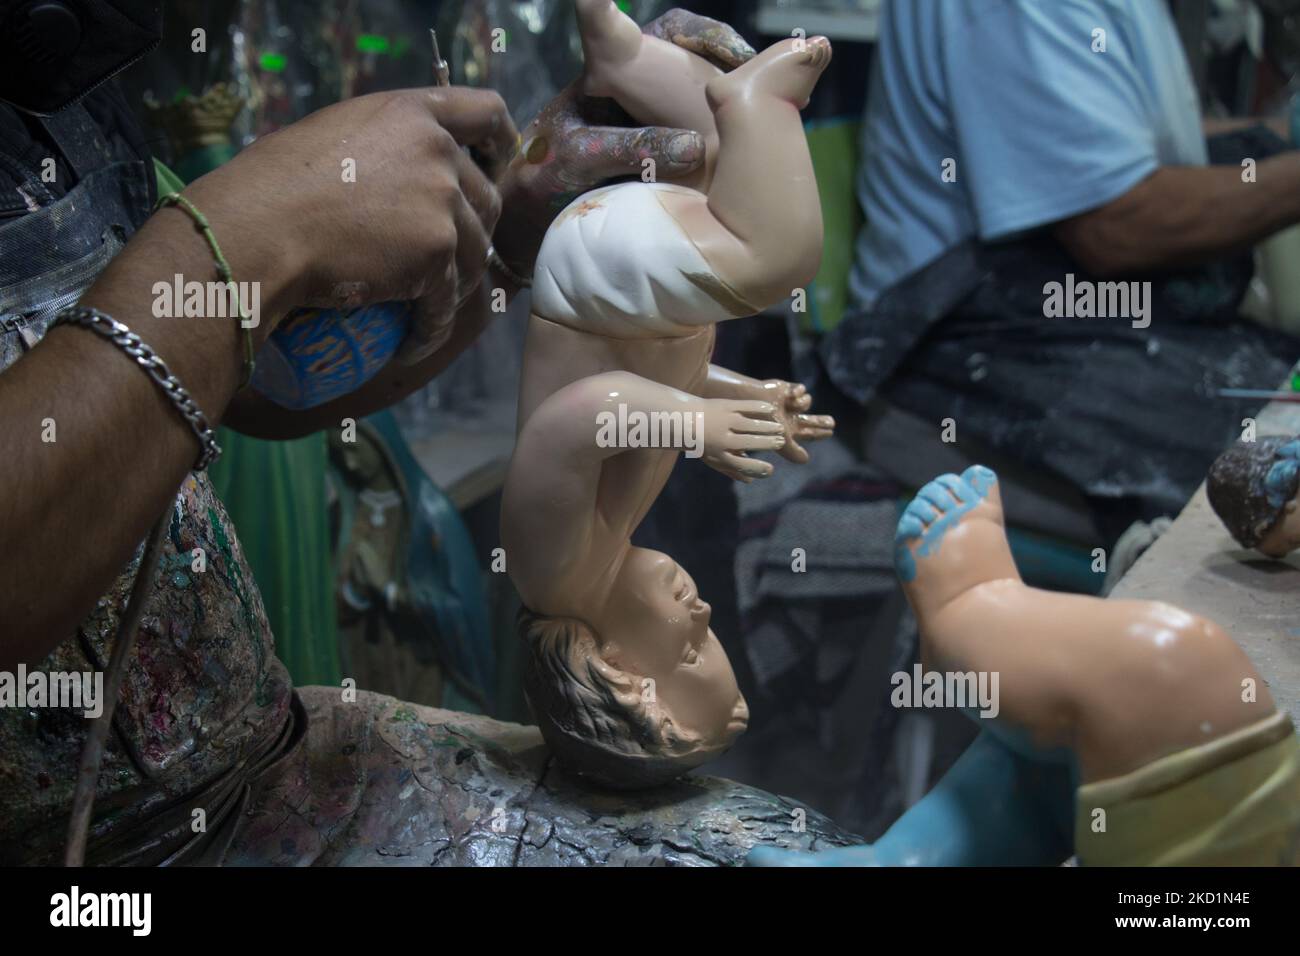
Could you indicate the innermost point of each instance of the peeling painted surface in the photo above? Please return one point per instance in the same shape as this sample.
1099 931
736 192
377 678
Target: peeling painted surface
384 783
203 690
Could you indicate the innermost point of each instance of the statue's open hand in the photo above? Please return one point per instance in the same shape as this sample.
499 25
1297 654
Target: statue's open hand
792 402
732 429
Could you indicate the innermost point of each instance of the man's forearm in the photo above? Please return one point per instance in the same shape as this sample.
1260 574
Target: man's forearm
1217 126
91 449
1186 215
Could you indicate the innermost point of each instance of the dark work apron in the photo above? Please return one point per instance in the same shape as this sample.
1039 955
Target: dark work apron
1129 416
50 256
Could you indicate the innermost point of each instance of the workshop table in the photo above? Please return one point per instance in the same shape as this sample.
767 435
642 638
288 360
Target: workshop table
1198 566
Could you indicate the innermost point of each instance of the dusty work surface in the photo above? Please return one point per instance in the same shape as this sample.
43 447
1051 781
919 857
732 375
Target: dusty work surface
1197 565
380 782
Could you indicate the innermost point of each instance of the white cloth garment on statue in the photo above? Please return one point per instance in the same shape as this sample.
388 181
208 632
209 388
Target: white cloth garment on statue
616 263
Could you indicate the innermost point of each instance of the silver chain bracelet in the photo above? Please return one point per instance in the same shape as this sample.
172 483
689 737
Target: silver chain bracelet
148 359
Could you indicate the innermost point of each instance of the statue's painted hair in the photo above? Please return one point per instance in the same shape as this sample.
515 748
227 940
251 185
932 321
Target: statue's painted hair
1250 484
594 718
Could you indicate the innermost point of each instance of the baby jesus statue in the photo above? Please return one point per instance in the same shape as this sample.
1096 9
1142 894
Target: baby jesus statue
629 685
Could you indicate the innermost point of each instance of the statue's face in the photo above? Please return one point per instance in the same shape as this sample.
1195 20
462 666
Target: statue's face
655 626
1285 535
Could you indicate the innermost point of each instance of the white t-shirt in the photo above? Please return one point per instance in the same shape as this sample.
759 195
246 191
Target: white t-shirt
1037 110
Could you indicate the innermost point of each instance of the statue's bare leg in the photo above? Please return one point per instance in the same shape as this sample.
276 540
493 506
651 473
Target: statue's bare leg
761 228
656 82
1118 683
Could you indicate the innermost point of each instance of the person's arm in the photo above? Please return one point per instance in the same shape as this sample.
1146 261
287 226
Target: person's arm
91 450
1058 136
1184 215
1218 125
74 507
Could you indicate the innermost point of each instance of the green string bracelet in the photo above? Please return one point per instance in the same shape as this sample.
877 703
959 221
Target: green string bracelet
223 272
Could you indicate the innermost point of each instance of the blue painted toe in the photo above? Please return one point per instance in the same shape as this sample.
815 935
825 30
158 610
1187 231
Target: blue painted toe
980 478
936 508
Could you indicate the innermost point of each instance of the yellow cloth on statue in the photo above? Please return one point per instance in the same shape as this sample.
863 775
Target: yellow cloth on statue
1234 801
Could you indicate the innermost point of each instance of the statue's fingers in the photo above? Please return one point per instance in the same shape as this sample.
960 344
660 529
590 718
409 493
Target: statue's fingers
749 468
794 452
814 427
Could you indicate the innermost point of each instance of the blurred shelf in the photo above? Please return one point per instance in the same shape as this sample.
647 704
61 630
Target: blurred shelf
851 25
467 458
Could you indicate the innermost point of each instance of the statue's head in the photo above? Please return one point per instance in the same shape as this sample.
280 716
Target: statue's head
1254 488
640 690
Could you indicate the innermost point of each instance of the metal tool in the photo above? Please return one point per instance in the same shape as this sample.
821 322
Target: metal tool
441 68
488 161
1259 394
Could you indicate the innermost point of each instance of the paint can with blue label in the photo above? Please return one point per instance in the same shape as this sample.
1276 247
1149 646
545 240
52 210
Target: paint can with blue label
317 355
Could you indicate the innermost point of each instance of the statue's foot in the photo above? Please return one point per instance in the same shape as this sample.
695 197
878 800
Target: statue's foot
952 537
786 71
610 40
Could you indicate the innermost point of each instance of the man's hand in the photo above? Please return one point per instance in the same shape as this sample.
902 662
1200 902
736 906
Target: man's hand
579 142
380 199
711 39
